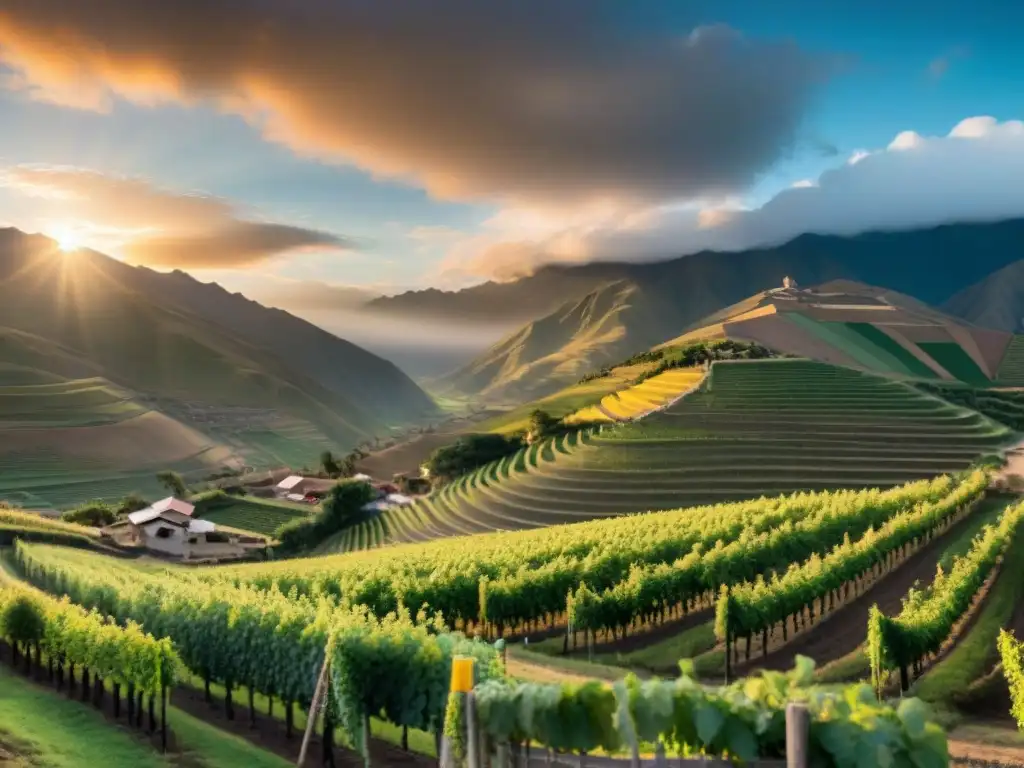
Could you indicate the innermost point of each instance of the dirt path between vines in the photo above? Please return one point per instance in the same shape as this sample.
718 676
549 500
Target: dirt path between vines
847 628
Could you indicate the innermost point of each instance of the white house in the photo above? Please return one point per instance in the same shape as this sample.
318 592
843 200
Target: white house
168 527
293 484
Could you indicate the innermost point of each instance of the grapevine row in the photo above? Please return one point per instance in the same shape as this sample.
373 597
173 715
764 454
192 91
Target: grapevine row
928 617
529 573
649 592
745 721
757 607
72 637
272 643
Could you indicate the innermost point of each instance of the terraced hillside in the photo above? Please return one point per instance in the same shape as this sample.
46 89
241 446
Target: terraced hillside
754 428
62 442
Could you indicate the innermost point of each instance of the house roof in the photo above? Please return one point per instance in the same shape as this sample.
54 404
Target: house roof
398 498
201 526
153 511
290 482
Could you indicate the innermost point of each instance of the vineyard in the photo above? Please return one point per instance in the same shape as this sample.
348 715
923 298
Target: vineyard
754 428
396 669
515 580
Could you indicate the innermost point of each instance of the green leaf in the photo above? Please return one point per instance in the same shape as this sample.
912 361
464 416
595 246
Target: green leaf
709 721
913 713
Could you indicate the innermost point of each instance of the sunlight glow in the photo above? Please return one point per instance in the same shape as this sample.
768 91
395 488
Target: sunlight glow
66 240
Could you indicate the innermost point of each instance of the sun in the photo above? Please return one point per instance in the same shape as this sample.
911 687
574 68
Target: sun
65 238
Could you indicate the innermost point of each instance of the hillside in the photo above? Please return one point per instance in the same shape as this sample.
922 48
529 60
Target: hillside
841 322
859 326
754 428
929 264
997 301
260 384
604 326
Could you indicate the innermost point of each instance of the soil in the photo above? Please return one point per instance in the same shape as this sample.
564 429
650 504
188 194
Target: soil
846 629
974 754
269 733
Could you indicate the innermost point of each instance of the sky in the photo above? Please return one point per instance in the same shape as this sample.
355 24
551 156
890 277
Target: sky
305 149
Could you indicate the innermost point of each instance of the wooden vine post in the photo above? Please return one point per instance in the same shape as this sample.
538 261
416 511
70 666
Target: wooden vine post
314 709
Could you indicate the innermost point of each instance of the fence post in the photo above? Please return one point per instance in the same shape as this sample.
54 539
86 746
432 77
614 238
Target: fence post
659 756
798 727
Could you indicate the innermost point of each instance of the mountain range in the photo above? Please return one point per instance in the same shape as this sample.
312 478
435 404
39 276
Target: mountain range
958 267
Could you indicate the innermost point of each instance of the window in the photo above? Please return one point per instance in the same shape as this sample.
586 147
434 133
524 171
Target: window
164 533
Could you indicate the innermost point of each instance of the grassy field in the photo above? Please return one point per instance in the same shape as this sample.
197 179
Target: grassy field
248 513
42 729
754 428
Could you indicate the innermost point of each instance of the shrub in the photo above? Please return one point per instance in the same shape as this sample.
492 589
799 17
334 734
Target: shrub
22 620
94 513
468 453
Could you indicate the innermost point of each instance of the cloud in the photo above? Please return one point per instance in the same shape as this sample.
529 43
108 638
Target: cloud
971 174
307 295
157 227
513 100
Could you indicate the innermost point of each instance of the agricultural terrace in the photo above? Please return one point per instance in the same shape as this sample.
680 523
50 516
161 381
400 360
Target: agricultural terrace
639 399
753 429
567 401
66 441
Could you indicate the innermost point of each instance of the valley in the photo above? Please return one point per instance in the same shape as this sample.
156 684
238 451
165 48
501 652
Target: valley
774 480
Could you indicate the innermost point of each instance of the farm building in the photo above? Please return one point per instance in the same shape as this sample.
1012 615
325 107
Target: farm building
168 528
302 487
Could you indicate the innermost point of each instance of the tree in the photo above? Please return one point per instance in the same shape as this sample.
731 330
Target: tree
94 513
542 424
469 452
330 464
133 502
173 482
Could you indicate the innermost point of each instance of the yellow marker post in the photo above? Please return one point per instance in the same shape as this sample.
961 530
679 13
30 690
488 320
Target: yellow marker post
462 674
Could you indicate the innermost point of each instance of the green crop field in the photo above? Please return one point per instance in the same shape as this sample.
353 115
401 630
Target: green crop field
248 513
754 428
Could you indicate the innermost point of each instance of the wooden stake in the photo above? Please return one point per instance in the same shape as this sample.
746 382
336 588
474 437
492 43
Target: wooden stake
314 711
